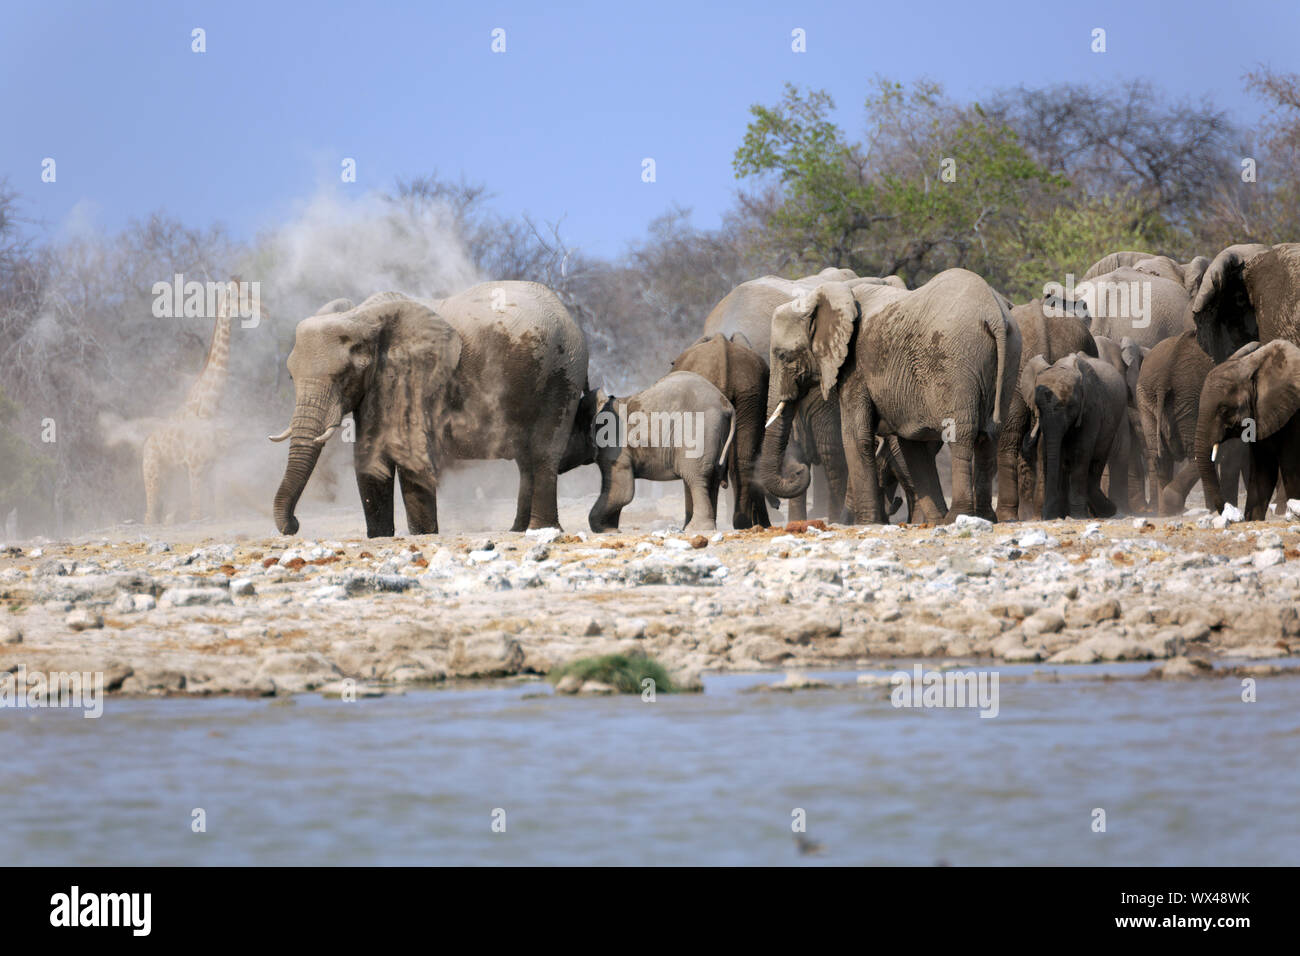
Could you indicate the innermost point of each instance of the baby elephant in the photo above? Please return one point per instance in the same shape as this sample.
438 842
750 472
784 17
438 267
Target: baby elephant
1079 408
680 427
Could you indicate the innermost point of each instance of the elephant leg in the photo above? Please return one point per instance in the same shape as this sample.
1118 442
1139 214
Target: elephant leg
377 503
750 508
859 439
546 502
1028 488
824 422
963 486
798 507
1119 462
1009 462
703 503
821 494
1174 495
420 498
690 503
524 500
986 469
1263 479
1094 500
927 502
617 486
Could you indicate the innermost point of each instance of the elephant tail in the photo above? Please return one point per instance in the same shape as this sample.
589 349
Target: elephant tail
722 458
998 330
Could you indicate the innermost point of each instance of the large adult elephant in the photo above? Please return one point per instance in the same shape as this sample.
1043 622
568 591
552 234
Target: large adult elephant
935 363
498 371
1053 331
1130 303
1169 396
1186 274
732 366
1250 293
747 310
1257 389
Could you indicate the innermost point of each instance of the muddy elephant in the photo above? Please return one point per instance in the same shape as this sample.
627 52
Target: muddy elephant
1126 357
934 364
732 366
1053 331
747 310
1130 303
1250 293
498 371
1079 407
681 427
1186 274
1255 396
1169 394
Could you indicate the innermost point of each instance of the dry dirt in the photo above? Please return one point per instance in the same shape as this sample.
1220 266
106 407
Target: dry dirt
217 610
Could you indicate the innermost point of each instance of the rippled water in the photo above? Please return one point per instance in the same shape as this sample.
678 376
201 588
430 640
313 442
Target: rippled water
1186 772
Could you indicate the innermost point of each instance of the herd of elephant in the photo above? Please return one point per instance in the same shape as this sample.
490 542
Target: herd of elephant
1077 406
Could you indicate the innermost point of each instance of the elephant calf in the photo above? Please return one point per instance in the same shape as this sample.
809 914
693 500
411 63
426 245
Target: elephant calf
680 427
1079 407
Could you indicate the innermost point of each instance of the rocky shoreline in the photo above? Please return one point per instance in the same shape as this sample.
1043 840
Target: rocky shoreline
277 616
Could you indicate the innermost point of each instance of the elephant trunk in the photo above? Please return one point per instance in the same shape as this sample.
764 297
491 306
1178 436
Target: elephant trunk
1055 484
770 463
317 410
1209 432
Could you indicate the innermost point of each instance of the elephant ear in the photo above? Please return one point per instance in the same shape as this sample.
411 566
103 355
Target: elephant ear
1029 377
415 352
1132 354
1222 279
1276 386
1116 260
835 311
1193 273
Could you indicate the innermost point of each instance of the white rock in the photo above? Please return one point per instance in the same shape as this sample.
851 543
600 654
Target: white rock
1230 515
973 523
84 619
1269 557
543 535
1033 538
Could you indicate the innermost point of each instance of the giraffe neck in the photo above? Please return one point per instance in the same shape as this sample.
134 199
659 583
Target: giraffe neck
205 393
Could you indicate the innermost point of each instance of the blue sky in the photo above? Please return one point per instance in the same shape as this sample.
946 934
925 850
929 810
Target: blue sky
557 126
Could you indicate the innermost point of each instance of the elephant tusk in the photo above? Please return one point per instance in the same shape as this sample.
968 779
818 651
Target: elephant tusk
775 415
1214 452
325 436
282 436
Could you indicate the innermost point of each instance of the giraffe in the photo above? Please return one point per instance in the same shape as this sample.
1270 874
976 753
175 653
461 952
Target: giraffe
189 437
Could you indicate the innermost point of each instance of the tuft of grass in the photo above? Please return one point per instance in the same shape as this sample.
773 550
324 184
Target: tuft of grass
618 670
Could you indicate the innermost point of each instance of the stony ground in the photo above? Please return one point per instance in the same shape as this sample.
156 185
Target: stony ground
187 612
